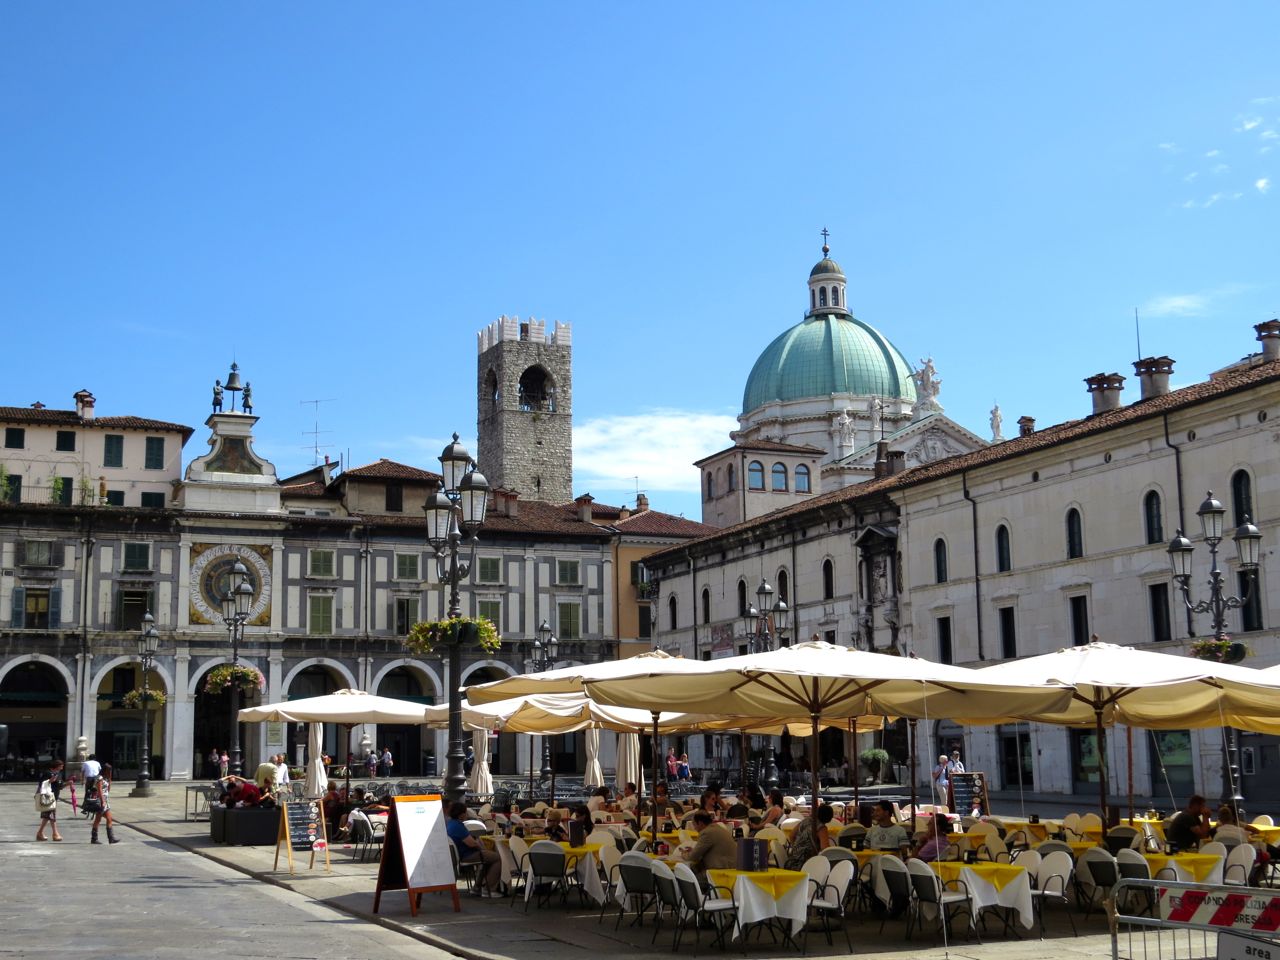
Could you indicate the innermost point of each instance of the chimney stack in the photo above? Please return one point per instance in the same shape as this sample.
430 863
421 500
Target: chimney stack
584 507
1153 374
882 459
897 462
624 512
1026 426
1105 389
84 404
642 502
1269 337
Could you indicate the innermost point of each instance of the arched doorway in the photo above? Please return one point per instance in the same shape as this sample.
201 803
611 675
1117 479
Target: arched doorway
412 745
212 721
316 681
33 708
119 736
504 758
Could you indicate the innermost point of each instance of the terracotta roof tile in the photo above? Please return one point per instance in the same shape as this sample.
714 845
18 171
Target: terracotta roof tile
312 489
764 446
70 418
657 524
385 469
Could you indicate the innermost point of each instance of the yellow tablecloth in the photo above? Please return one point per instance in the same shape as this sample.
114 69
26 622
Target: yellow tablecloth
1080 846
1269 834
775 881
669 836
591 848
1198 866
1035 831
997 874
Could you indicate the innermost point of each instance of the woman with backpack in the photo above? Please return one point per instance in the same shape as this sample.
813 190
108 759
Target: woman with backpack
99 804
47 800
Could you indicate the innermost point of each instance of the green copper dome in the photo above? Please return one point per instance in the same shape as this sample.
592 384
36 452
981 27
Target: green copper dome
828 353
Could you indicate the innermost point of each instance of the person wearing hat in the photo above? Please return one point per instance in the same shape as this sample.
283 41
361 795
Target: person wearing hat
942 779
556 830
955 764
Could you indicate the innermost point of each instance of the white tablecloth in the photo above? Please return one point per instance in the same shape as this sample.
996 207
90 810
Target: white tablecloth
587 872
1014 895
756 905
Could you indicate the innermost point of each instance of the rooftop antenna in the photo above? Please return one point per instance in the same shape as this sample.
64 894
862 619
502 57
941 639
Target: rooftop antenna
315 446
1137 331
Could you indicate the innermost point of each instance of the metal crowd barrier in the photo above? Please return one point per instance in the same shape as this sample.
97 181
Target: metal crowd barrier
1173 920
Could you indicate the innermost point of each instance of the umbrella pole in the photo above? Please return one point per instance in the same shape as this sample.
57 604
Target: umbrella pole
350 756
657 758
530 767
813 761
911 727
1128 731
1102 769
853 729
742 756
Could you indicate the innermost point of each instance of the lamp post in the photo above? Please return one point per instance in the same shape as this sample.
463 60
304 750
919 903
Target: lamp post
545 648
1248 541
148 644
455 513
235 614
756 621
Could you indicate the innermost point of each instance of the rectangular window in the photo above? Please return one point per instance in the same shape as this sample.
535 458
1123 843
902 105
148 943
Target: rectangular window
1078 607
407 566
36 553
154 458
1251 611
113 450
65 441
1161 625
320 563
829 636
36 610
15 438
320 614
646 622
567 573
131 606
569 620
1008 633
153 501
12 492
406 614
395 498
62 492
490 570
491 610
115 498
137 556
942 626
639 572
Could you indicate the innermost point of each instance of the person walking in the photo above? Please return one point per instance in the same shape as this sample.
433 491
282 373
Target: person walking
387 761
942 779
224 764
102 809
215 764
49 810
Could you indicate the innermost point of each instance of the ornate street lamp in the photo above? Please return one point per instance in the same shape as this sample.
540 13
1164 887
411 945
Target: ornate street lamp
761 623
148 644
1248 540
235 614
544 653
454 514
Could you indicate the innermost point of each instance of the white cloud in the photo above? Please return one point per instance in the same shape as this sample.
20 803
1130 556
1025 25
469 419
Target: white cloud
1213 153
1247 124
1214 198
657 446
1263 184
1168 147
1269 135
1221 168
1261 100
1190 177
1175 305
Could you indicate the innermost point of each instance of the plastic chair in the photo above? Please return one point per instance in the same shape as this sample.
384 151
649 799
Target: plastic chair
1239 865
898 880
1054 846
1263 820
519 852
829 900
848 835
699 906
838 855
1133 866
1050 882
635 871
1096 871
548 869
949 899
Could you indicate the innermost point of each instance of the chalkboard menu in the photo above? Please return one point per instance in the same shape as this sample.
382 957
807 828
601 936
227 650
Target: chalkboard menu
302 827
969 790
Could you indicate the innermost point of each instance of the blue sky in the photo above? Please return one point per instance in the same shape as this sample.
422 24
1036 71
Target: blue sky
343 195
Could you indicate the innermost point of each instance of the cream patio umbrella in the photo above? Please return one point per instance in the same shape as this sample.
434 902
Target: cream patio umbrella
823 682
317 782
480 781
630 769
592 775
1117 684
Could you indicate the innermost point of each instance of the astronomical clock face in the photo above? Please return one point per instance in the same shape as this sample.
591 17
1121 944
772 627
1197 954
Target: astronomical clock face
211 579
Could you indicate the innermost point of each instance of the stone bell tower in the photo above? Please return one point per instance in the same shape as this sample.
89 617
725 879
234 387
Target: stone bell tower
524 409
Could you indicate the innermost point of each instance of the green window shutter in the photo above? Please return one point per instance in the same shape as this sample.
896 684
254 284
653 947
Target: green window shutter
55 607
19 607
19 549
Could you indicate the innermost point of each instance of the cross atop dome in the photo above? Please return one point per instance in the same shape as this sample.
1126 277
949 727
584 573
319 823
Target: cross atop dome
826 234
826 283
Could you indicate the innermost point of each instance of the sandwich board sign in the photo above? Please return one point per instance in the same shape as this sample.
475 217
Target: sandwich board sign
415 853
302 828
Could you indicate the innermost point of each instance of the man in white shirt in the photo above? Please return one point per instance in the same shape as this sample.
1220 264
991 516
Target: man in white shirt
955 765
884 833
91 769
282 773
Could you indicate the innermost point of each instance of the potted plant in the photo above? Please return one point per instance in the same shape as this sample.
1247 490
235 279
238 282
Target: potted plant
426 635
245 677
874 759
133 699
1219 649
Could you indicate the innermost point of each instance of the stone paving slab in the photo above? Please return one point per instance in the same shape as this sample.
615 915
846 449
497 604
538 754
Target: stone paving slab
491 929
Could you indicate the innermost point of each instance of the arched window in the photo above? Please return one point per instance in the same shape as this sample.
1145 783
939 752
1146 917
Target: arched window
802 479
822 296
711 486
828 580
1151 518
835 296
706 605
755 475
939 561
784 586
1004 554
731 483
672 610
1242 497
537 391
779 475
1075 535
491 390
813 299
742 598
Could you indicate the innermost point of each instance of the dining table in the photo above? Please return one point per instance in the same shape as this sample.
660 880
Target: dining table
1003 885
1187 867
767 896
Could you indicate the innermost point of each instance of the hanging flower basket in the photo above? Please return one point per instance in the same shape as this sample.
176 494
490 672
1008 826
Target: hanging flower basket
246 678
133 699
425 636
1220 650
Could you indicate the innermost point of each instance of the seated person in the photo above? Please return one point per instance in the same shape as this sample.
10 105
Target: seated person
931 842
810 838
775 811
715 849
599 799
627 804
265 777
885 833
754 822
332 802
1190 826
469 850
555 829
242 793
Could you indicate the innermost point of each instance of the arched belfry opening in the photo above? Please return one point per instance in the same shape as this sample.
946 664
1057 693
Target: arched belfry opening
537 391
492 395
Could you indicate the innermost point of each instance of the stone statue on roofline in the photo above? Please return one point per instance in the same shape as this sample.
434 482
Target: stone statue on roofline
996 420
927 386
247 403
217 396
